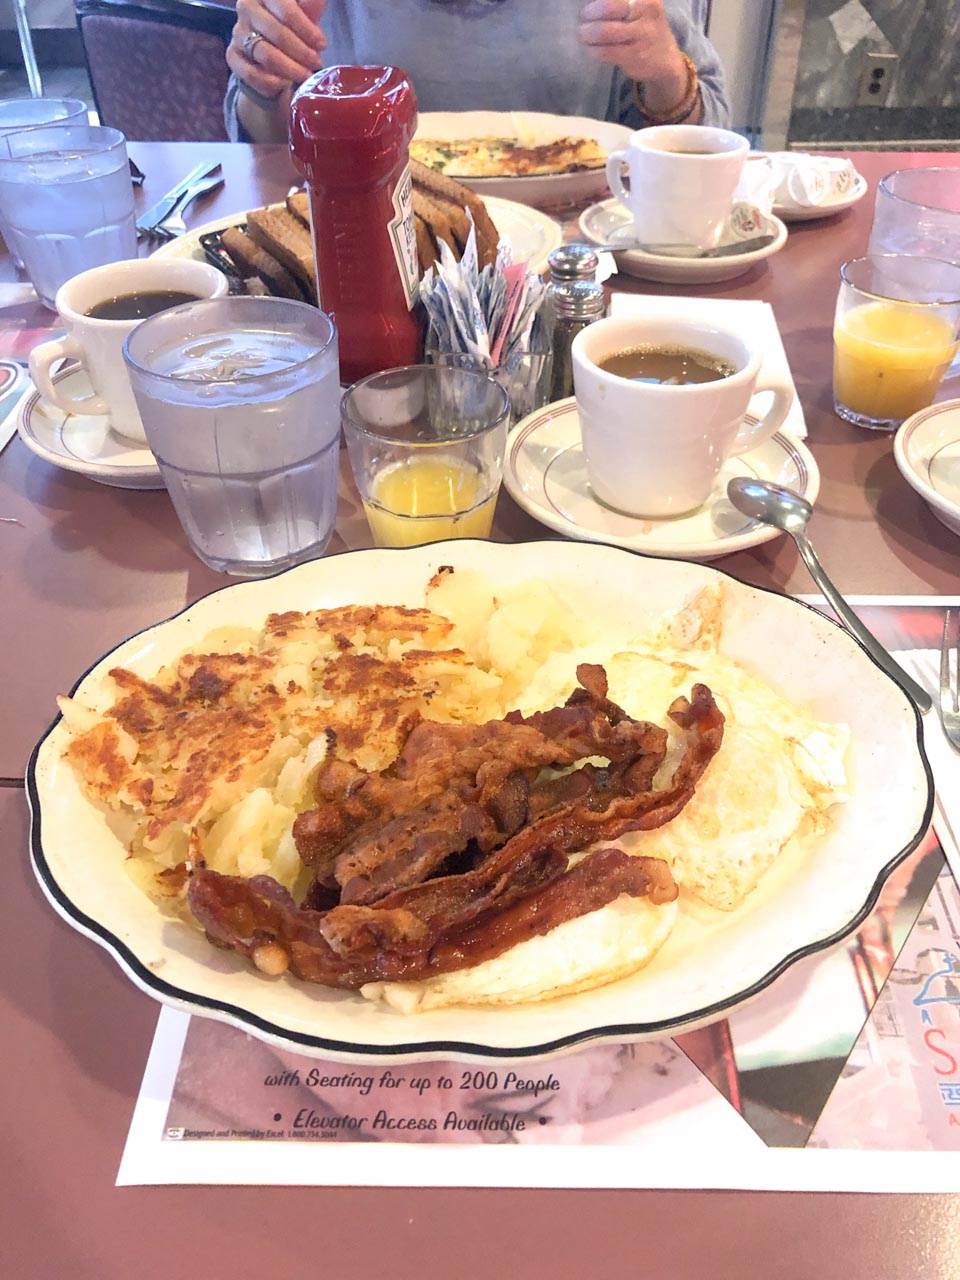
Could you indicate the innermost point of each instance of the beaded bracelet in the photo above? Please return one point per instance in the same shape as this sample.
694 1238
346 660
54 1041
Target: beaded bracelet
692 95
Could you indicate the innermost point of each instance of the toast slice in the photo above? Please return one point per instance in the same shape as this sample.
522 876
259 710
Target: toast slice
288 240
253 261
447 193
298 202
426 246
447 221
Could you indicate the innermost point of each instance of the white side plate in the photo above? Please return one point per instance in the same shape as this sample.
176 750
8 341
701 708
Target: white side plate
532 236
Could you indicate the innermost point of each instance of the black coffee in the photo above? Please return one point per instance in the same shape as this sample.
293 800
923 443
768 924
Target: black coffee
137 306
674 366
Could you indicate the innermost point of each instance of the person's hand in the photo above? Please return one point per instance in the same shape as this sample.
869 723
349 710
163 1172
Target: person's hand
635 36
288 49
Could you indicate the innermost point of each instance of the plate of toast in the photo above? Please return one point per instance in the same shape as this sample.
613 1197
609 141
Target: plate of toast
270 250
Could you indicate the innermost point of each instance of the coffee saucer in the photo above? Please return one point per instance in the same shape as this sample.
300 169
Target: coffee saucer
84 443
545 473
602 223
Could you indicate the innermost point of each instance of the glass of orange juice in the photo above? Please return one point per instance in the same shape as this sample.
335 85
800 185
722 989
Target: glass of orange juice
895 334
426 448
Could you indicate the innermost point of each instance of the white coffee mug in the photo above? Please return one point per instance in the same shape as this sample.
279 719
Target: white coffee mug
682 182
654 449
98 344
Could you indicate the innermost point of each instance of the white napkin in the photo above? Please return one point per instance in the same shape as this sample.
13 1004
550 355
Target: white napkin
924 665
754 321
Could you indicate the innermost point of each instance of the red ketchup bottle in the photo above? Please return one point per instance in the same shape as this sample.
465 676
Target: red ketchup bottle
350 137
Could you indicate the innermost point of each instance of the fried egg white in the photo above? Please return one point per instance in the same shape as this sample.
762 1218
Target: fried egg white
777 773
590 951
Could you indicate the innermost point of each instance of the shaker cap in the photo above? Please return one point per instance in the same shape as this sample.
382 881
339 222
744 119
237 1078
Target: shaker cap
574 262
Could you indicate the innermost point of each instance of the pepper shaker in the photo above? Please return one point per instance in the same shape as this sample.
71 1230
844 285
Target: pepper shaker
575 304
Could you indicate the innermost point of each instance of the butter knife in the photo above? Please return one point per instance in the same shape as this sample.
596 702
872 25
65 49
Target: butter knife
164 206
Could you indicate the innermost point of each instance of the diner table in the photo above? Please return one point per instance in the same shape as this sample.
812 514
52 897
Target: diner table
83 566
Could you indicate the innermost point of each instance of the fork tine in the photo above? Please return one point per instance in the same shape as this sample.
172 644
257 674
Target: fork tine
945 665
949 675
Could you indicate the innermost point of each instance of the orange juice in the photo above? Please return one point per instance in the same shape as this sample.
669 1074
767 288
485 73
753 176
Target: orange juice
427 500
889 360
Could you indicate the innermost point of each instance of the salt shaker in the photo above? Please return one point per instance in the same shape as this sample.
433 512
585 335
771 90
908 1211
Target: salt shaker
575 304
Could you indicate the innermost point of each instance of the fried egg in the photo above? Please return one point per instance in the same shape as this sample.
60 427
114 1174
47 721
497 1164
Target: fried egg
577 955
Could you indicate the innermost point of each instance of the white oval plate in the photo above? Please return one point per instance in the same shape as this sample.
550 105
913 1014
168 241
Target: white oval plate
600 223
536 128
84 442
712 961
545 473
800 213
927 451
531 235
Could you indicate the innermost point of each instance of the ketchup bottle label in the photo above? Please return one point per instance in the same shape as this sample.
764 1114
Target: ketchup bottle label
403 237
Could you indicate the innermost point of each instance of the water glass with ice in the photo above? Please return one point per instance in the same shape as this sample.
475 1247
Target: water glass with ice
239 399
917 212
66 201
17 114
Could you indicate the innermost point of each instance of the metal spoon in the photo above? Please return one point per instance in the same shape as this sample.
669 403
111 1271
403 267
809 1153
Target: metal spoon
786 510
688 250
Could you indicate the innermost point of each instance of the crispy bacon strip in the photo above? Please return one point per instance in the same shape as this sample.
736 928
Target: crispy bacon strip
258 916
612 806
520 890
463 759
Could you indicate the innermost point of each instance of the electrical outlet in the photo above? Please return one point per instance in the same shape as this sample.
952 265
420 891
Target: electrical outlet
876 79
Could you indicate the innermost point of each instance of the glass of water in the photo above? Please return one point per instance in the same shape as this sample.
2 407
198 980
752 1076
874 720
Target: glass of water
240 404
66 201
17 114
36 113
917 211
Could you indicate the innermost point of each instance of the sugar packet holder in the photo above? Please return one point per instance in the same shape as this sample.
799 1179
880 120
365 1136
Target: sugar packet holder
488 315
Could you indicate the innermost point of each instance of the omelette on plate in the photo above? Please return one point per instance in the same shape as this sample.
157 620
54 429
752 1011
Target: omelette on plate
491 157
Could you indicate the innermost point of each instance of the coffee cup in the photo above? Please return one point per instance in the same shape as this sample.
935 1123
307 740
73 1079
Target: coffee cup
654 449
682 182
88 304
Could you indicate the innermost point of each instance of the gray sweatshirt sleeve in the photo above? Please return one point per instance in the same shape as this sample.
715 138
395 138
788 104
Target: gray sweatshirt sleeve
686 22
235 130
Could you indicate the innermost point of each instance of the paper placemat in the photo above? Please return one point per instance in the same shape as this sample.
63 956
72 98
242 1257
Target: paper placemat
754 321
